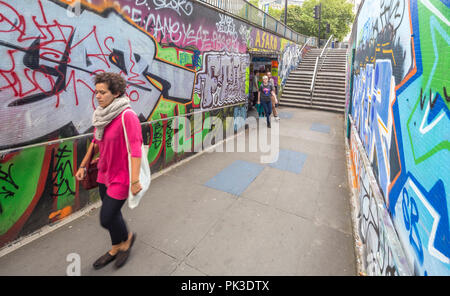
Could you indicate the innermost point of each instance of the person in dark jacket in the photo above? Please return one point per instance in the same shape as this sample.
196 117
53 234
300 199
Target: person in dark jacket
266 91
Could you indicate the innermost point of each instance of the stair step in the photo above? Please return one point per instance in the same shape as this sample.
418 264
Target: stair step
322 101
332 93
296 97
307 106
296 87
300 79
305 77
326 81
329 90
298 73
337 71
331 82
315 101
332 69
305 85
330 77
329 93
328 101
333 65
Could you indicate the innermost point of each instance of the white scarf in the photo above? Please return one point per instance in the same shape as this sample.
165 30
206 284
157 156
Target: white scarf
103 116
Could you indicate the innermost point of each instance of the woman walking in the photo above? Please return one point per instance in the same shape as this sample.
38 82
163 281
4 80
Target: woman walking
113 173
273 98
266 91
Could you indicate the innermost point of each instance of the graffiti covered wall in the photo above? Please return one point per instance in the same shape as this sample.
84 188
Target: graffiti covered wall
400 110
178 57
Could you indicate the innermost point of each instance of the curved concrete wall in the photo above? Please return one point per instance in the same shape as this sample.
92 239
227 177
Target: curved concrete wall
398 107
178 57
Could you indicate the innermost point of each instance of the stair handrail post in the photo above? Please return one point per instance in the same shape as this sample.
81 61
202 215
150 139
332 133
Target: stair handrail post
313 79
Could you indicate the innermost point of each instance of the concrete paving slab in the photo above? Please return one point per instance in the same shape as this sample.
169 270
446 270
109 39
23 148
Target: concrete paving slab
185 270
235 178
299 145
331 254
316 168
310 115
298 195
285 115
289 160
321 128
264 189
253 239
47 254
304 133
144 260
175 223
334 207
333 151
199 171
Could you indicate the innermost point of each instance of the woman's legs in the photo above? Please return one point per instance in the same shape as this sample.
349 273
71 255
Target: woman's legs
268 110
111 219
275 112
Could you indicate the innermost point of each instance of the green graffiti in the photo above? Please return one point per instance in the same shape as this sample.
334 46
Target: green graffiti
63 179
434 42
175 56
19 179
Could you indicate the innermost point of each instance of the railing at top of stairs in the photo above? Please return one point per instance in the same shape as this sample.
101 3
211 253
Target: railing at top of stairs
316 70
306 43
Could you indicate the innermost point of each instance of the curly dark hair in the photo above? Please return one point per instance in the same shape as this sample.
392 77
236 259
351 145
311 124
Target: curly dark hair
116 83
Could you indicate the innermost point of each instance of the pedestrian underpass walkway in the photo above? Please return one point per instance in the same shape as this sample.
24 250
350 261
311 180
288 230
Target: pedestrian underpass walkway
226 213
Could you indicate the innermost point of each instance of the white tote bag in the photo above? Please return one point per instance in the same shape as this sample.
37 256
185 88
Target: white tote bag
145 177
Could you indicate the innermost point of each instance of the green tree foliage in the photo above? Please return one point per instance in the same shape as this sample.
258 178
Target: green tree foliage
338 13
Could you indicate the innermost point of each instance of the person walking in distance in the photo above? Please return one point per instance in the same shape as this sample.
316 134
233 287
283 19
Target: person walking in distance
255 87
274 97
113 173
266 90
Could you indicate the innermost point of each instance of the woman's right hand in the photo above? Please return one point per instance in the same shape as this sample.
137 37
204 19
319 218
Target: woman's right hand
81 174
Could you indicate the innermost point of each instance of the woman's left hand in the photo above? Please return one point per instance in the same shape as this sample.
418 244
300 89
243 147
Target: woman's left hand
136 187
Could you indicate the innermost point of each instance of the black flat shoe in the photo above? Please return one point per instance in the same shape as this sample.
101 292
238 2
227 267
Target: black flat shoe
122 256
104 260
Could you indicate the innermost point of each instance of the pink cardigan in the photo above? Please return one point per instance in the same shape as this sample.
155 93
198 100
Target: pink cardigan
113 160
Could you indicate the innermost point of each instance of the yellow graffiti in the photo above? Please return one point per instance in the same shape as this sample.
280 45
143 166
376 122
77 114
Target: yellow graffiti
266 41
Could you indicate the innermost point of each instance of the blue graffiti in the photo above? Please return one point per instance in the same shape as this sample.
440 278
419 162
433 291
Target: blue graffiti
372 97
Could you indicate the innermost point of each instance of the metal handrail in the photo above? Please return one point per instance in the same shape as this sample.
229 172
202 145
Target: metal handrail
240 8
306 43
325 50
313 81
326 45
145 123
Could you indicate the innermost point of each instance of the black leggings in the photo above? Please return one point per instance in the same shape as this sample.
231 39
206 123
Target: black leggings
111 217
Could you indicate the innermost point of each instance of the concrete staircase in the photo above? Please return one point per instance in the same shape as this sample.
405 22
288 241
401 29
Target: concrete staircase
329 89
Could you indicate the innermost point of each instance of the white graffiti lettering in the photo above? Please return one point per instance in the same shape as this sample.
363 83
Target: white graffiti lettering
176 5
